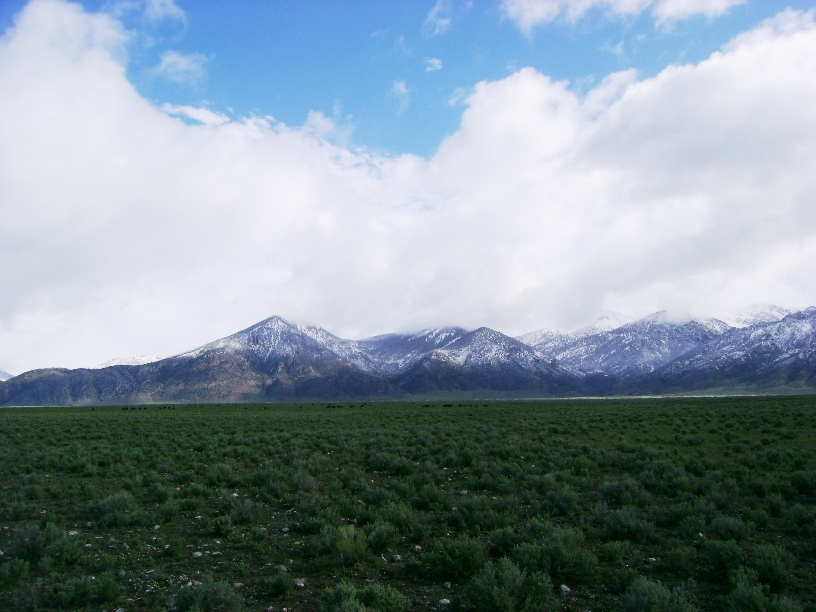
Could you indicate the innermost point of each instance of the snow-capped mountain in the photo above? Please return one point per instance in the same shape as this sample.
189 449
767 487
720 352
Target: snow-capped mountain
756 313
485 347
551 342
766 354
486 360
637 348
275 339
5 376
394 352
279 360
126 361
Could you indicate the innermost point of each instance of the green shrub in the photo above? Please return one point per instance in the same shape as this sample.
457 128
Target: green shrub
349 544
625 524
221 525
561 555
724 555
746 592
502 587
159 493
459 558
175 549
280 584
747 595
691 526
503 540
617 550
728 528
345 597
562 502
34 543
773 565
623 579
208 596
106 588
681 558
244 513
783 604
646 595
115 510
400 515
622 493
13 572
75 593
381 535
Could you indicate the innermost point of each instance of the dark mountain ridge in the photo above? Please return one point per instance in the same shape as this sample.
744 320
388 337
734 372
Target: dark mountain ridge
276 360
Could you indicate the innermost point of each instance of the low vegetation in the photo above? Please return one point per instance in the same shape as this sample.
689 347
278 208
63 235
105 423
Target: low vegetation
641 505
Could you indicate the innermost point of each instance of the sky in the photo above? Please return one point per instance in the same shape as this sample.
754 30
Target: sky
172 172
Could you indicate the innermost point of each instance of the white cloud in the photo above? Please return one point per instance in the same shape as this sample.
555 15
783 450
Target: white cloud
126 231
432 63
401 91
183 68
529 13
202 115
157 10
459 95
439 18
668 10
153 10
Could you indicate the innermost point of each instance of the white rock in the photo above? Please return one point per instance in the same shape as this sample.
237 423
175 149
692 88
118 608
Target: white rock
300 583
396 558
565 590
447 585
197 554
417 549
444 602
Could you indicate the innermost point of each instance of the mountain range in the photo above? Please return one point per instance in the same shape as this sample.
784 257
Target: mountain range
763 349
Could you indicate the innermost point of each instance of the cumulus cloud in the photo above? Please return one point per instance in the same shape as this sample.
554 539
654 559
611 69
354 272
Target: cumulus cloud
401 91
529 13
182 68
126 230
439 19
432 63
157 10
202 115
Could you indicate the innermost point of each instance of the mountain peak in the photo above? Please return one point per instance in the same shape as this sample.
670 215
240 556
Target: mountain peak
756 313
5 376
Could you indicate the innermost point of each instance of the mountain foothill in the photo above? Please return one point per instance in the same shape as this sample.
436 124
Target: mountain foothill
764 350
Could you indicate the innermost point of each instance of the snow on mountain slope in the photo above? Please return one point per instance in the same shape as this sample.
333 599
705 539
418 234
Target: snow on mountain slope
126 361
639 347
760 348
5 376
550 341
757 313
544 339
487 347
394 352
275 338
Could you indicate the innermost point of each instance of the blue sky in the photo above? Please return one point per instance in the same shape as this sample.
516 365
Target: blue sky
347 59
171 171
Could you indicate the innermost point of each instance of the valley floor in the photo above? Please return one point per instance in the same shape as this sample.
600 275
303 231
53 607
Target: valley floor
699 503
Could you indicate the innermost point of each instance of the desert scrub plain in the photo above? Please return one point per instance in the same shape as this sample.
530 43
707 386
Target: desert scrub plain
649 504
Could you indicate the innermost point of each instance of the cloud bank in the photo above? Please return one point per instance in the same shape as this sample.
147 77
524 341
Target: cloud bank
529 13
126 230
